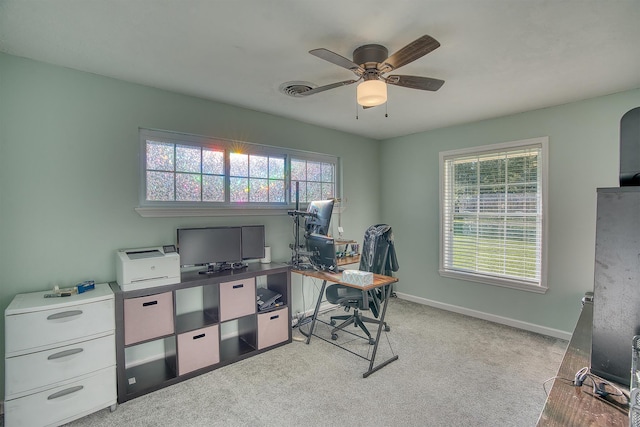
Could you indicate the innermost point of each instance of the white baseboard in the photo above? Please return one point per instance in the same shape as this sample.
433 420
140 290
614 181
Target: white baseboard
543 330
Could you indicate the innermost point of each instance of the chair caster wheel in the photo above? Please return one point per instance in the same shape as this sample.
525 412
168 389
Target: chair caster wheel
334 336
372 341
332 322
387 328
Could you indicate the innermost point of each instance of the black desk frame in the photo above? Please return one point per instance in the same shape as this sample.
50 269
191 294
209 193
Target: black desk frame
387 289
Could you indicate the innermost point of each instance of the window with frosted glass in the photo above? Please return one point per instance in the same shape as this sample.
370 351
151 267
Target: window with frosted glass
256 178
314 180
184 173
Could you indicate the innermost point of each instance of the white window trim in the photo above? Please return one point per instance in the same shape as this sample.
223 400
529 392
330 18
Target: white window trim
543 143
184 209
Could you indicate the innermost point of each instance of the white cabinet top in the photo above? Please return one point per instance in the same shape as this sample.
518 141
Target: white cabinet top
35 301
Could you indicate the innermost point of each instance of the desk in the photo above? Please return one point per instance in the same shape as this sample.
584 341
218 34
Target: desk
378 281
568 405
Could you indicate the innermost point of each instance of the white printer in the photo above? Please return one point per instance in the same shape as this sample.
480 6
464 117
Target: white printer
147 267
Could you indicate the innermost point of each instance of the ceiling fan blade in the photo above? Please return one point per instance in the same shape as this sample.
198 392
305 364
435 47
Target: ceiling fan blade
415 82
334 58
410 53
326 87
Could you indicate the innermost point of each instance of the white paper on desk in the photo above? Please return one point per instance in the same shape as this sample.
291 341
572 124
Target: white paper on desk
357 277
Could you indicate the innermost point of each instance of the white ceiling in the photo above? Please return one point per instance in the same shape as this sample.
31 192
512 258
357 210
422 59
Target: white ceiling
498 57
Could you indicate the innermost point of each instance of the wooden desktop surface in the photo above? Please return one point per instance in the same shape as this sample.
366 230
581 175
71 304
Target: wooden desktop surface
568 405
378 279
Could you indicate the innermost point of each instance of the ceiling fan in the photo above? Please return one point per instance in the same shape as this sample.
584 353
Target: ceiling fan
372 62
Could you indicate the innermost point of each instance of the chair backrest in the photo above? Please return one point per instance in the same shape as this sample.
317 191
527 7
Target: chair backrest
378 254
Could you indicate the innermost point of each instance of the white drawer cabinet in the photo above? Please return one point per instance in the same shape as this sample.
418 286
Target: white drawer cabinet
60 357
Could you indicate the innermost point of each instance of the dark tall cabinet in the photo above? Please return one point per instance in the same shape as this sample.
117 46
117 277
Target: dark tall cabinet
616 302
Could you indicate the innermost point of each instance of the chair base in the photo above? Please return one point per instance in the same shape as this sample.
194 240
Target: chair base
358 320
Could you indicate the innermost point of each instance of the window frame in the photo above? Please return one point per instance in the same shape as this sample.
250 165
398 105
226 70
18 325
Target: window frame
173 208
541 143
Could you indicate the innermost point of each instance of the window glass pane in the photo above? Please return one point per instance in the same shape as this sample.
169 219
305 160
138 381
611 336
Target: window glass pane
276 191
327 172
298 170
212 188
276 168
258 166
314 171
159 156
212 162
258 190
327 191
239 164
160 186
187 158
302 191
239 189
188 187
314 191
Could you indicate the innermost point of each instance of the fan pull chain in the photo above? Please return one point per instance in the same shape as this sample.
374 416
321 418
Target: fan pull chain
386 109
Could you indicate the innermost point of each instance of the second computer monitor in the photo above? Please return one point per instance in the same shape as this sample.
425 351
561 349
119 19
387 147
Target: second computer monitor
319 216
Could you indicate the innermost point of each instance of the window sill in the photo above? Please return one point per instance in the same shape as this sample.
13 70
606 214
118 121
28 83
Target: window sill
496 281
174 212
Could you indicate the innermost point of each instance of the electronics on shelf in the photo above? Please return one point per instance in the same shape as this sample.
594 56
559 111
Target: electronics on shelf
147 267
220 248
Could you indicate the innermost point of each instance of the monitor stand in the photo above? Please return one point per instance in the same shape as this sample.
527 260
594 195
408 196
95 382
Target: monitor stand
216 268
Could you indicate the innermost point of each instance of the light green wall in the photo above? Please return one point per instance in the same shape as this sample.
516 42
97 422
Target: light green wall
584 147
69 172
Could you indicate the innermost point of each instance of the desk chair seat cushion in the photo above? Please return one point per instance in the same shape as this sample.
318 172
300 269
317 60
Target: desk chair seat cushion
346 296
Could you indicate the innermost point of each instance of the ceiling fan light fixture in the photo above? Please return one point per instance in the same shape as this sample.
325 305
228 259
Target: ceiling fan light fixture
370 93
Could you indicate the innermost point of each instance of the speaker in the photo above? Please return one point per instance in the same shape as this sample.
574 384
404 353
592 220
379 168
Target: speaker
630 148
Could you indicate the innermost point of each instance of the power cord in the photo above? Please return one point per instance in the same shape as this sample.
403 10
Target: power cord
600 387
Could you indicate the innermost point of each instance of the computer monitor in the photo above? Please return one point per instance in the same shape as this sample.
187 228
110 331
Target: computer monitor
209 246
320 216
322 252
252 241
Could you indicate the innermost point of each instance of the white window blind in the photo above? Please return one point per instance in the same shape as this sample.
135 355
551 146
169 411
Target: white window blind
492 214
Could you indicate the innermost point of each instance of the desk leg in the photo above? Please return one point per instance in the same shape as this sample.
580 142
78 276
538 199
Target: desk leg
315 313
375 347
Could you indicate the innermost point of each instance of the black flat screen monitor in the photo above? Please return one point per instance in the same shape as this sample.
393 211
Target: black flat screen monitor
320 218
323 252
252 241
211 245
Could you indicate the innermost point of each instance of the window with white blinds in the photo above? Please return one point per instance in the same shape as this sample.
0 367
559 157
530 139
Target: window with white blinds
492 219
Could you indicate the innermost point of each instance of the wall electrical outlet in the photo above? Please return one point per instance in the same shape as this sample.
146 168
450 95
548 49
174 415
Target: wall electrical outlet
340 230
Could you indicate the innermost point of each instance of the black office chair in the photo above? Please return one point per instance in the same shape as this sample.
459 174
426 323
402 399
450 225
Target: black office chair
378 256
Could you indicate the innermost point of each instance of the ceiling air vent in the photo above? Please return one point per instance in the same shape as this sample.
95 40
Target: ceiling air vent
295 88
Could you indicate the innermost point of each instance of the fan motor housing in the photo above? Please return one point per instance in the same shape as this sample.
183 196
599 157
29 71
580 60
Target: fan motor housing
369 55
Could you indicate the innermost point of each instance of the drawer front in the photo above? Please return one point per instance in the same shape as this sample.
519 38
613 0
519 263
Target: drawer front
148 317
237 299
198 349
273 327
35 371
62 404
41 329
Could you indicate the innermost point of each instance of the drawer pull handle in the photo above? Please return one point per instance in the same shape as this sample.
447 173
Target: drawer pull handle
274 317
65 353
199 336
65 314
65 392
238 286
147 304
